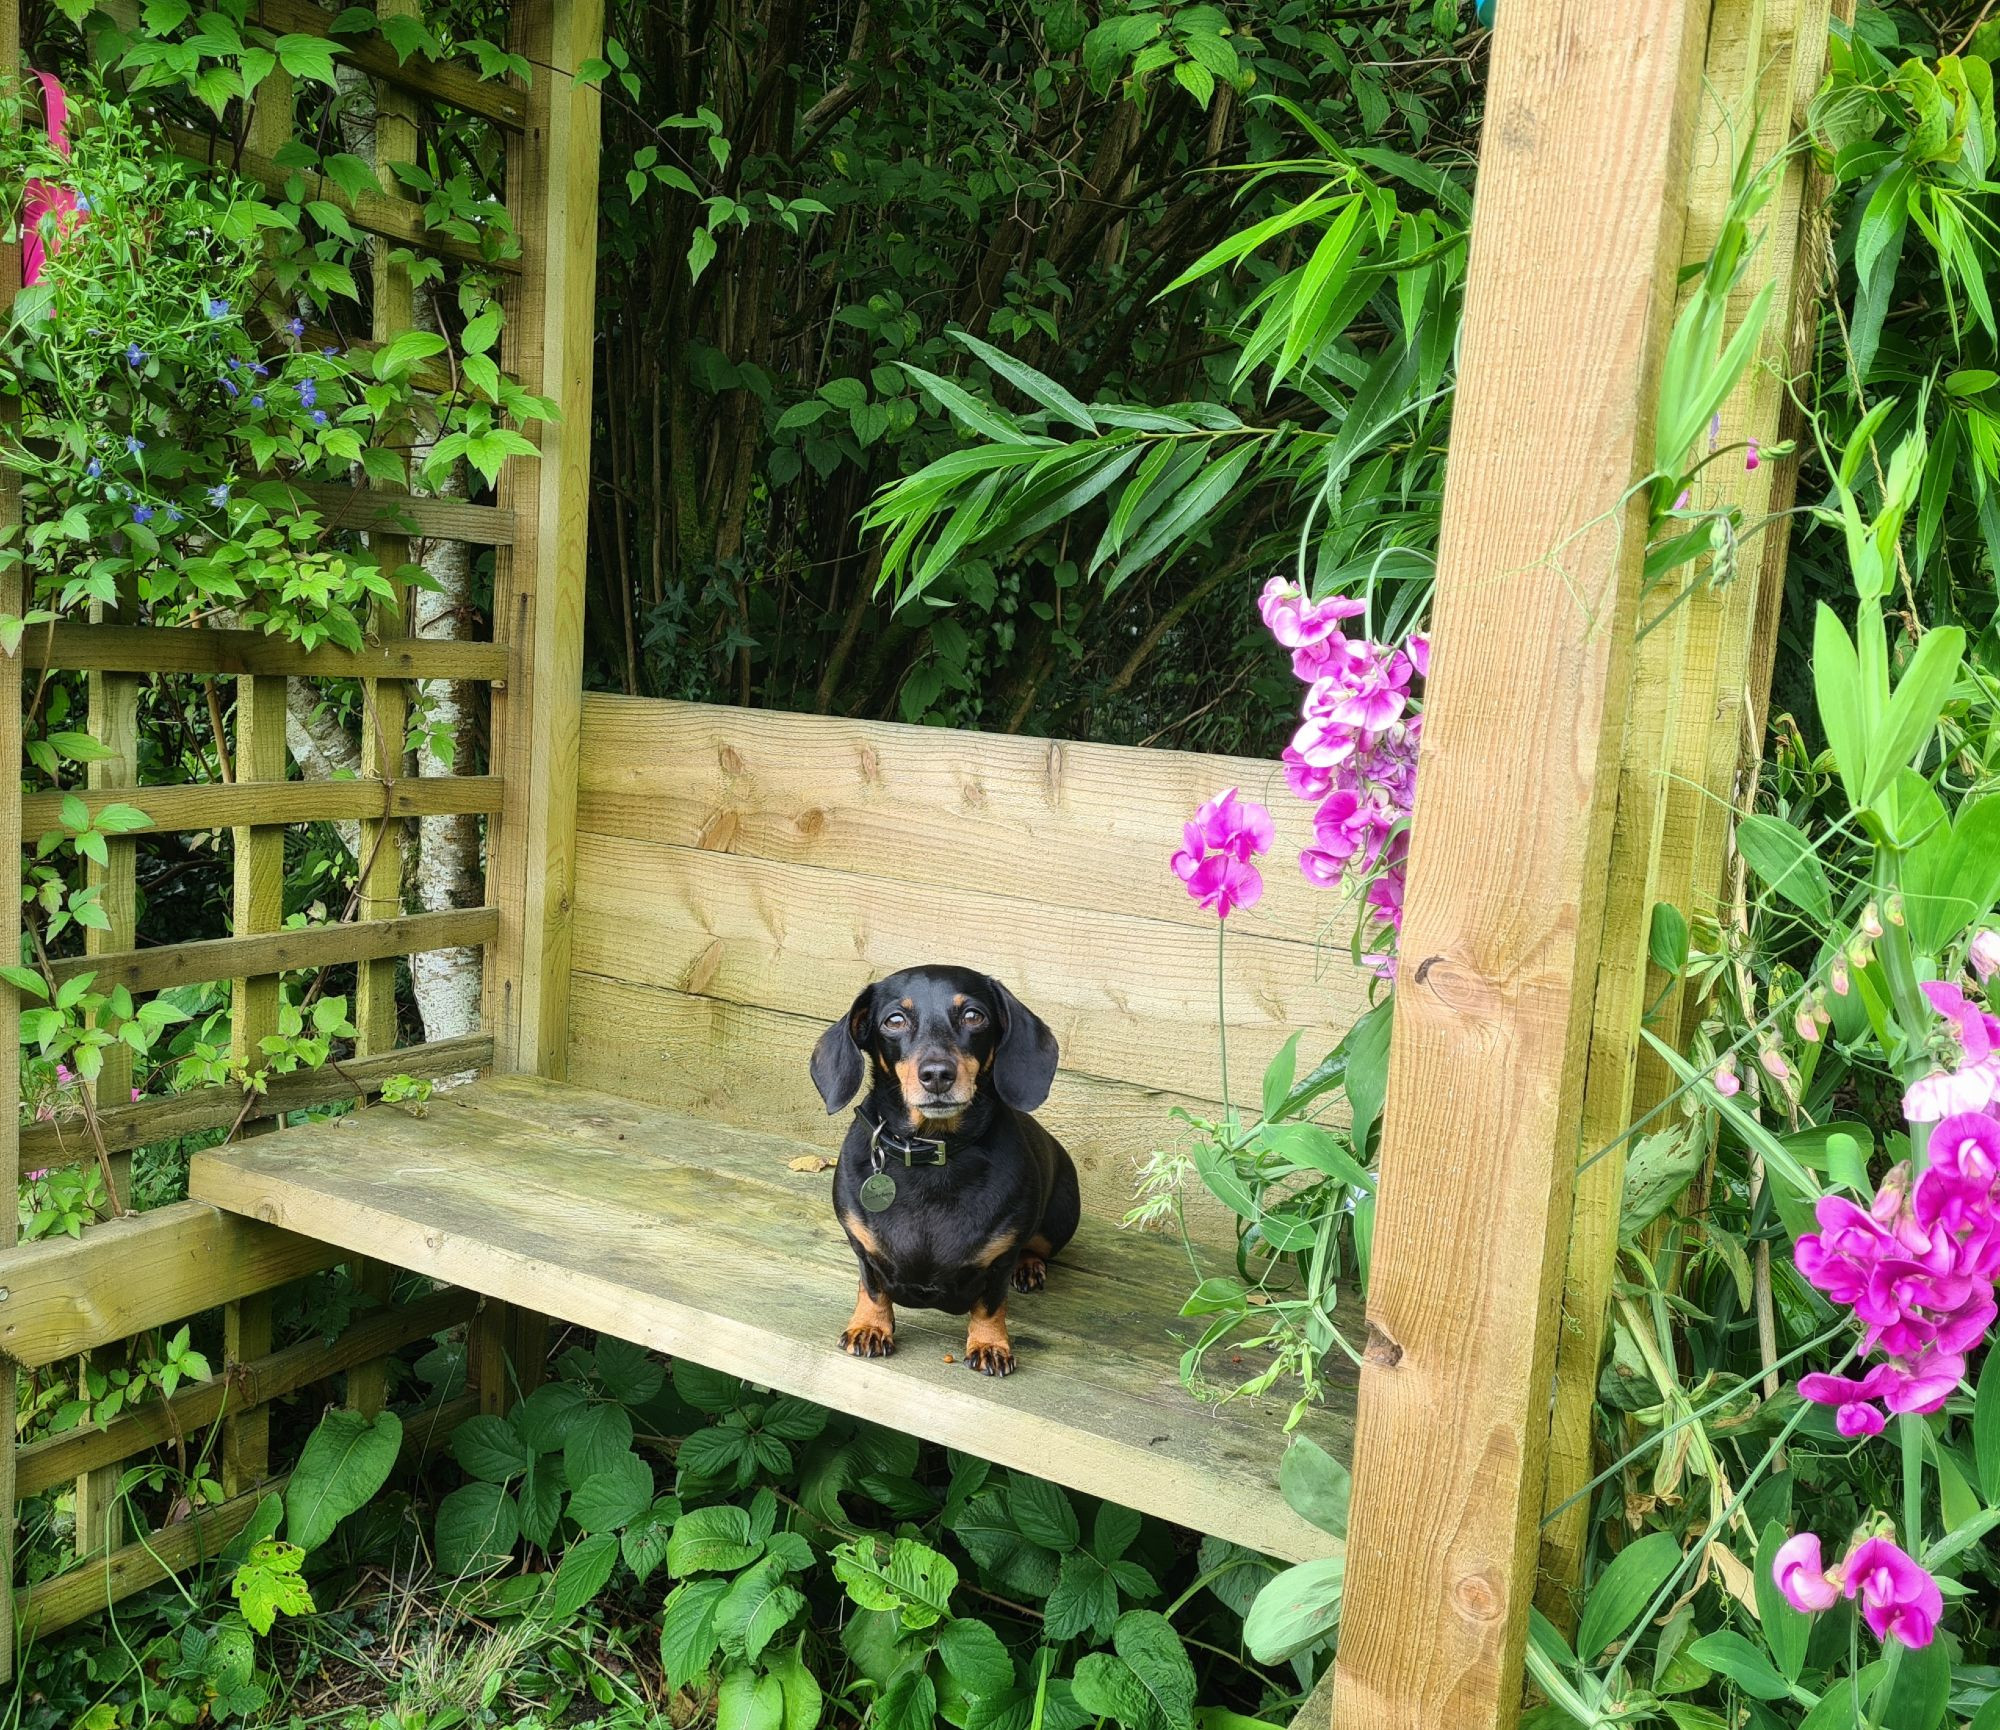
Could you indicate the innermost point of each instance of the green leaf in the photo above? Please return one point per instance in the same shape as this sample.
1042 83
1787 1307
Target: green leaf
540 1500
1085 1600
1951 881
712 1540
756 1608
1042 1512
490 1449
1919 700
749 1701
1029 382
1730 1654
583 1572
309 57
644 1544
1784 860
1657 1171
1786 1632
1317 1148
1296 1609
1986 1428
1217 1168
1278 1076
968 410
598 1439
346 1459
1667 939
1315 1485
1922 1689
401 354
544 1419
1623 1590
607 1499
803 1700
912 1579
1837 688
975 1657
477 1526
687 1630
1149 1685
908 1703
266 1585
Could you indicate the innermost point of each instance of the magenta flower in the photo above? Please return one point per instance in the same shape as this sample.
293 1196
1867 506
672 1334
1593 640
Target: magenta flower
1299 622
1307 780
1418 648
1899 1600
1214 859
1750 458
1806 1585
36 1175
1857 1414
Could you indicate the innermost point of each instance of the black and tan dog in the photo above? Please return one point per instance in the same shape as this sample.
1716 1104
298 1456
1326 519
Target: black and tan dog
948 1190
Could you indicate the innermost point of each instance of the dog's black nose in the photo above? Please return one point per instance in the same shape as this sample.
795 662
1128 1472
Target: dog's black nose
937 1073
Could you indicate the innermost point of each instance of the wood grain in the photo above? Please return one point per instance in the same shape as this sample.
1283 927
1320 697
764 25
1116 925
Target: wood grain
66 1296
1582 180
552 173
228 654
1088 826
1128 998
277 952
1764 60
697 1239
232 804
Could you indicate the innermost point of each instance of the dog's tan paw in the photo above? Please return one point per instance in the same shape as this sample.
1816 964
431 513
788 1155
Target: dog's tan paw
867 1341
990 1360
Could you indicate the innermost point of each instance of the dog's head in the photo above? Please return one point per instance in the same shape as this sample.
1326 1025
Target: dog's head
932 1037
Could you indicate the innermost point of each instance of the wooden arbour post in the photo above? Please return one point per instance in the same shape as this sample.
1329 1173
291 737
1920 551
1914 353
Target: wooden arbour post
1576 234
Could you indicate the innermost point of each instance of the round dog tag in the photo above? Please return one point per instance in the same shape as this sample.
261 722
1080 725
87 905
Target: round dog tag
878 1191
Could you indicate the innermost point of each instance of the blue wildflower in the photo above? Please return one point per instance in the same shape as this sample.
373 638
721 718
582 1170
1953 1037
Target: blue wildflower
295 327
319 417
260 369
134 445
142 513
331 353
83 204
134 354
218 495
218 309
229 384
93 468
308 389
173 513
256 402
234 363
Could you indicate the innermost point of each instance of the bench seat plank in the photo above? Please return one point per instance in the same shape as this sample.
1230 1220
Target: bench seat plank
698 1239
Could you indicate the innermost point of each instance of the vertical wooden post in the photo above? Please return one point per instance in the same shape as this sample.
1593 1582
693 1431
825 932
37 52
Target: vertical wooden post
259 906
539 582
538 588
1678 784
1569 295
114 724
13 585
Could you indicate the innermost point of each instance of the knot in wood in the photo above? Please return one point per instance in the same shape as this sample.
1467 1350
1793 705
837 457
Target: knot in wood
1476 1598
730 759
1382 1351
811 822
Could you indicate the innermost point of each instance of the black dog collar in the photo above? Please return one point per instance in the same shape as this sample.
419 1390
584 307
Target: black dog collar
911 1148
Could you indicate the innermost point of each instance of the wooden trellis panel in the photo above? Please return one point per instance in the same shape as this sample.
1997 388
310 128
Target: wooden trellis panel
61 1300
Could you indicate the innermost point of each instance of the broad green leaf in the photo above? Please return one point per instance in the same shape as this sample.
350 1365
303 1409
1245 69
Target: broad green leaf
346 1459
1922 1688
1951 881
687 1630
644 1540
1919 700
491 1449
749 1700
1278 1074
1837 688
1315 1484
1667 938
1657 1171
1784 860
477 1526
545 1418
910 1578
1986 1428
1042 1512
609 1498
975 1657
1296 1609
1624 1589
1786 1632
1085 1601
1731 1655
583 1572
266 1584
598 1439
1317 1148
712 1540
908 1703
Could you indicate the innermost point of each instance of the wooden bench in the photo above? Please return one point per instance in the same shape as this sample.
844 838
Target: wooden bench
739 877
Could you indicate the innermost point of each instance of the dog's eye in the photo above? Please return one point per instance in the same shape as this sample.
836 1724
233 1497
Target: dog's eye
972 1017
895 1021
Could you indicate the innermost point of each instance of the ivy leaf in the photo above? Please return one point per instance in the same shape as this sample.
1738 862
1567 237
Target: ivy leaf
346 1459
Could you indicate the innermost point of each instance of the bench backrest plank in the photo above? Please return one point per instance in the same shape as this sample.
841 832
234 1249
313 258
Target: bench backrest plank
741 875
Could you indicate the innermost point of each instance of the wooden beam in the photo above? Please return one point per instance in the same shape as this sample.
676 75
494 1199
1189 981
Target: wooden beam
231 654
227 804
277 952
1568 301
1683 743
538 585
455 86
148 1120
62 1296
161 1423
390 509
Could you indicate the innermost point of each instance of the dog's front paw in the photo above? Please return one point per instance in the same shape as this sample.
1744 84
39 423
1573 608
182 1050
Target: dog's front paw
1031 1273
990 1360
867 1341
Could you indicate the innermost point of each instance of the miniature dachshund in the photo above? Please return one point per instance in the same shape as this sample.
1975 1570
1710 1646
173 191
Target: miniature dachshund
949 1192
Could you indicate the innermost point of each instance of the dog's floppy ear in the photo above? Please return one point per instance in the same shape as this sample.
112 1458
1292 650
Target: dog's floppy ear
1024 1066
837 1066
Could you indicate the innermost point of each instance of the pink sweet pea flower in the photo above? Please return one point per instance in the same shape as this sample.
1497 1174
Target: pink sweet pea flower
1214 858
1419 647
1307 780
1985 954
1856 1416
1807 1586
1725 1079
1238 827
1298 622
1899 1600
1222 884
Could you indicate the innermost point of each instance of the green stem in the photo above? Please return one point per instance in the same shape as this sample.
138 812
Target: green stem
1222 1023
1910 1431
